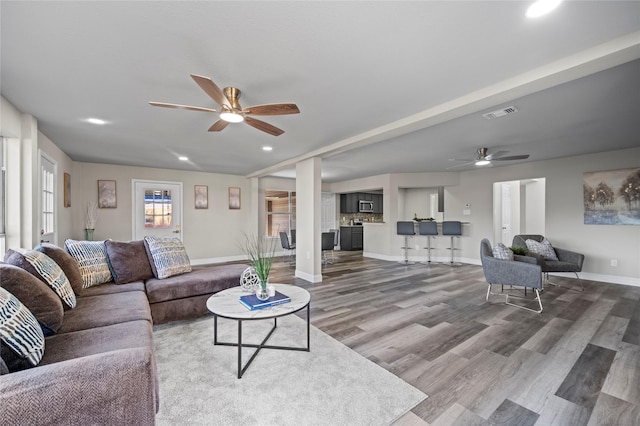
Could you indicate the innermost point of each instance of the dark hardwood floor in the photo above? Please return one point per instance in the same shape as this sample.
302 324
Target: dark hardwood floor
577 363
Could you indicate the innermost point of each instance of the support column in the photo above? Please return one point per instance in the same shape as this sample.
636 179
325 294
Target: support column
308 220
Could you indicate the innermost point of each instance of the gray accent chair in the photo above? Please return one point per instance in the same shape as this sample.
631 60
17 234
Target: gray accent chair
289 249
568 261
522 271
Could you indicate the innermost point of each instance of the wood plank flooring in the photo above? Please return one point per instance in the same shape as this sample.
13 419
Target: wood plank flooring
485 363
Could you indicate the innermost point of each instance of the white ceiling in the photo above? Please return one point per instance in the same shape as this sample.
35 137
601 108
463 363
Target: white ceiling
382 86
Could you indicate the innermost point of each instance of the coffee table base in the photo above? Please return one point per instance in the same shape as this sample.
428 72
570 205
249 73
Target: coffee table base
259 347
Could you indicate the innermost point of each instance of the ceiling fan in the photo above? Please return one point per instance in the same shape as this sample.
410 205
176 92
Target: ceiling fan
484 159
230 109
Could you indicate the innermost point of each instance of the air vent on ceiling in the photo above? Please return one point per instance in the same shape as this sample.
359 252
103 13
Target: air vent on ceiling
500 112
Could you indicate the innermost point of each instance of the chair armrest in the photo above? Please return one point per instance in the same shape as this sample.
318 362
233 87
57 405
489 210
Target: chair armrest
526 259
509 272
117 387
570 257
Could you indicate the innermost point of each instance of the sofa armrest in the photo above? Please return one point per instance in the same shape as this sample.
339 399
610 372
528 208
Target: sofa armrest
117 387
570 257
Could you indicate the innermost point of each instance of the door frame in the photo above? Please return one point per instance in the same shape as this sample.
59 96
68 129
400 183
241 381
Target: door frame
54 235
180 207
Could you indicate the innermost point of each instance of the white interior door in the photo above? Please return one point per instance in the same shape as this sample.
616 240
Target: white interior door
328 216
506 214
157 209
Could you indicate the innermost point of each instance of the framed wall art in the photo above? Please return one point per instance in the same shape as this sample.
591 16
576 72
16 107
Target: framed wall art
612 197
67 190
234 198
201 196
107 194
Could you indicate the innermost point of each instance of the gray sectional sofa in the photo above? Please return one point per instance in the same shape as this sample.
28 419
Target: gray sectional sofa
98 365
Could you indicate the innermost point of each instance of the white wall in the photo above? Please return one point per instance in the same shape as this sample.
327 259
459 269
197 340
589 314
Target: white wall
564 212
212 234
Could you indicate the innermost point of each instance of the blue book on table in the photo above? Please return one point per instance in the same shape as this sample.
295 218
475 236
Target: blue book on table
253 303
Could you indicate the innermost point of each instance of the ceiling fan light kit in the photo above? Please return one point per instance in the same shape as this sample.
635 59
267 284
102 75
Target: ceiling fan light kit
231 111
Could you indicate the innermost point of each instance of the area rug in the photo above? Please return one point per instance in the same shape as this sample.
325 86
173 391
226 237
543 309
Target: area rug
330 385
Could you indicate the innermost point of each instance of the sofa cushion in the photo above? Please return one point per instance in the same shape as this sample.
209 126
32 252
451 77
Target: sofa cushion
66 262
92 261
76 344
128 261
202 280
106 309
167 256
542 248
112 287
19 329
39 298
502 252
44 268
3 367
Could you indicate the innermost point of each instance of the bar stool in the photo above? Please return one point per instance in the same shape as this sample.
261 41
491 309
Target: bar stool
407 229
452 228
429 229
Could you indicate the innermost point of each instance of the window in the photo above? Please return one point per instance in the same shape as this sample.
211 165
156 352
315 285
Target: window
281 212
2 188
157 208
47 176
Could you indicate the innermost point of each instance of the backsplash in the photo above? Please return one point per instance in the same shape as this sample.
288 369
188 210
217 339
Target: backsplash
345 218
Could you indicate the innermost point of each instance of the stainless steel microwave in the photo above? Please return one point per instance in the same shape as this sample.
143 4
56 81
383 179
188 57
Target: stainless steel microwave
365 206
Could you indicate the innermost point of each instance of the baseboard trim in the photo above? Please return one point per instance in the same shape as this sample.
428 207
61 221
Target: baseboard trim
308 277
613 279
223 259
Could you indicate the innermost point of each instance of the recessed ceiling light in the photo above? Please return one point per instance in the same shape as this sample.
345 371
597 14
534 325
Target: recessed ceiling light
183 158
267 148
542 7
96 121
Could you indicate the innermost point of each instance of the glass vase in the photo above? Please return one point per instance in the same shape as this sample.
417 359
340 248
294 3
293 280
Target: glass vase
89 234
262 292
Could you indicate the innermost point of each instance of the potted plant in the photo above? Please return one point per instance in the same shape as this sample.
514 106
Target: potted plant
91 217
260 252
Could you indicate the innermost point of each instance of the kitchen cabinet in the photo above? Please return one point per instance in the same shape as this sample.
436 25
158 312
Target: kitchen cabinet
350 203
351 238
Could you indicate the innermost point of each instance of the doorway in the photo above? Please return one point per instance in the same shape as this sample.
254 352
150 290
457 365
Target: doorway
157 209
518 208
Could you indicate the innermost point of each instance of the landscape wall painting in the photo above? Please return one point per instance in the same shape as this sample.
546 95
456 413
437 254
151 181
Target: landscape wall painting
612 197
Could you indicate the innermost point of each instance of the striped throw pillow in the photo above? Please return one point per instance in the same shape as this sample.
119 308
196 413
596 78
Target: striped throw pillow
44 268
92 261
19 329
169 256
502 252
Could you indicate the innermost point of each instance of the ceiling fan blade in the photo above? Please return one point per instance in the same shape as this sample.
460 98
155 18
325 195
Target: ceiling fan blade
265 127
212 90
468 160
511 157
272 109
468 163
496 155
218 125
189 107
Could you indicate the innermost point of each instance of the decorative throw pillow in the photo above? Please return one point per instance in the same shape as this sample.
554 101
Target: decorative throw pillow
92 261
39 298
19 329
502 252
128 261
44 268
167 256
542 248
66 262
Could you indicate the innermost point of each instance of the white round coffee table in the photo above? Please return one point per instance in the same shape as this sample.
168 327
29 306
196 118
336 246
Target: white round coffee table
226 304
